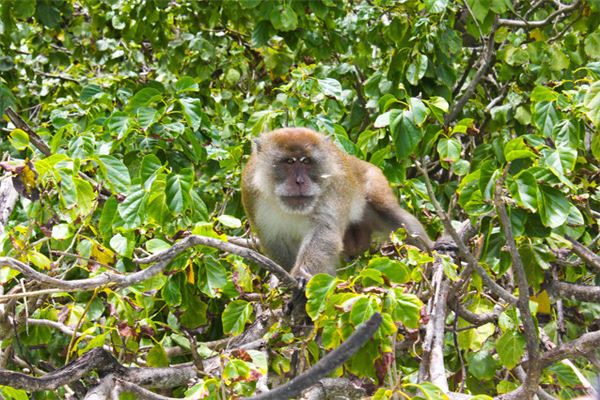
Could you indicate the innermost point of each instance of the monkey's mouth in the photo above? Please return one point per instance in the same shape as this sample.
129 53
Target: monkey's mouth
297 202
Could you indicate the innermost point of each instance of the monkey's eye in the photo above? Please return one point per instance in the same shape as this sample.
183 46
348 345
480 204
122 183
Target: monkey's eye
290 160
305 160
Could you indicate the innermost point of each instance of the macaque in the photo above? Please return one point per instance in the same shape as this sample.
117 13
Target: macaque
309 203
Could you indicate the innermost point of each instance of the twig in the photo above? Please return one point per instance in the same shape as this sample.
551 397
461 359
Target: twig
327 364
592 260
561 13
20 123
531 383
462 248
487 58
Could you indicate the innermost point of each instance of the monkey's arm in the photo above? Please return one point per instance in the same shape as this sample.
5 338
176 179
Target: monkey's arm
319 252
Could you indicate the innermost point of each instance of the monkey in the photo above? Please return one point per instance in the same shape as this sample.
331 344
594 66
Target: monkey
309 203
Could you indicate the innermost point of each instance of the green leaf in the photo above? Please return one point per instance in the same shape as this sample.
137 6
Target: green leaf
133 206
61 231
186 84
592 45
510 347
419 111
395 271
85 196
406 135
516 148
235 316
545 117
481 364
330 87
192 110
6 98
283 17
157 357
561 161
116 173
523 189
449 150
90 92
416 69
362 310
151 166
146 116
121 245
143 98
436 6
178 191
212 278
553 206
195 314
406 308
592 102
480 8
157 245
318 289
171 291
19 139
229 221
543 93
118 123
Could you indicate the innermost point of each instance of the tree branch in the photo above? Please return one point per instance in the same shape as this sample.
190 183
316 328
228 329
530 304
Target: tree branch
531 383
562 12
327 364
589 258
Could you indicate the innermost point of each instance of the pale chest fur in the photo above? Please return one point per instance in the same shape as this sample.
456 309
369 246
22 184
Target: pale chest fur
276 224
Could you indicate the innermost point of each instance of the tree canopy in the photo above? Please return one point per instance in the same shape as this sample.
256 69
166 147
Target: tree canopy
124 246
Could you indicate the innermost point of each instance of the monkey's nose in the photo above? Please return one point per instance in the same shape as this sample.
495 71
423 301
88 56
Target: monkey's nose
300 180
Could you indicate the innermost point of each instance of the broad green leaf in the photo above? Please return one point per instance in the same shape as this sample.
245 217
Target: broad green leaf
121 245
19 139
545 117
146 116
38 259
395 271
516 148
192 110
436 6
416 69
235 316
107 216
553 206
592 45
283 17
144 98
7 99
419 111
12 393
449 150
383 120
151 166
318 289
90 92
229 221
116 172
178 191
61 231
523 189
157 356
330 87
186 84
406 135
481 364
133 206
118 124
560 161
510 347
212 277
592 102
480 8
157 245
171 291
85 196
362 310
406 308
195 314
543 93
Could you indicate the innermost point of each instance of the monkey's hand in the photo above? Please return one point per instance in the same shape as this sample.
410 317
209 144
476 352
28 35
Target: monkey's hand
445 244
298 297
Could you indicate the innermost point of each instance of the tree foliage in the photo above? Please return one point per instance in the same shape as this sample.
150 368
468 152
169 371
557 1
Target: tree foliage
485 111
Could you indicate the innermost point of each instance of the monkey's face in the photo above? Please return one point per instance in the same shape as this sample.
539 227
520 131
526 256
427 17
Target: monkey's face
297 181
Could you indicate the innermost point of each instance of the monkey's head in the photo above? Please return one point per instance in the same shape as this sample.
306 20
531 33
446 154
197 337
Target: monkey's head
294 164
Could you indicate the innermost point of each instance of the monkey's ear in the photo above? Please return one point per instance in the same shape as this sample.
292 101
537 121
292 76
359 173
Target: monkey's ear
256 145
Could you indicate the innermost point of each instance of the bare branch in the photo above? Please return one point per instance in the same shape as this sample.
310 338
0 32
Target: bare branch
589 258
531 383
576 292
162 259
20 123
578 347
327 364
562 12
462 247
487 58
